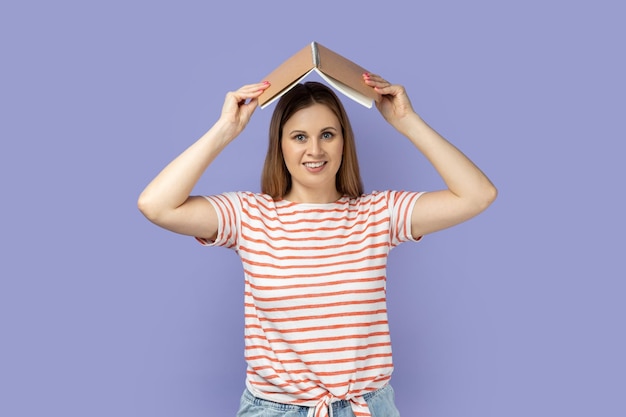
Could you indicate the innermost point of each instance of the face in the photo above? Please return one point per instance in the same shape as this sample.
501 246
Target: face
312 145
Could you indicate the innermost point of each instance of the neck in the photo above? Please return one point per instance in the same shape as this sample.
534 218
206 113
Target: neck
312 196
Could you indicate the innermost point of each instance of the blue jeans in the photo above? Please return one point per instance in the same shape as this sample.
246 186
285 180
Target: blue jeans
380 402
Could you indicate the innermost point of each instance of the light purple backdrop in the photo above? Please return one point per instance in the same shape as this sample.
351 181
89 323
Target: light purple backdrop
519 312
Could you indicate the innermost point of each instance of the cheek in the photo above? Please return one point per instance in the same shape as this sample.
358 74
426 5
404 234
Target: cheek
290 155
340 148
284 147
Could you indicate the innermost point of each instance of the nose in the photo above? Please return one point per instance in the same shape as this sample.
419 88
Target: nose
315 147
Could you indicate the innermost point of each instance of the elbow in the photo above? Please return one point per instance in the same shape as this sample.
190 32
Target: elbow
481 199
491 193
488 196
147 207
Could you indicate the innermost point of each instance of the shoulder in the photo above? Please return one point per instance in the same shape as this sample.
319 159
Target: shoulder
392 200
384 196
240 202
251 199
243 197
252 204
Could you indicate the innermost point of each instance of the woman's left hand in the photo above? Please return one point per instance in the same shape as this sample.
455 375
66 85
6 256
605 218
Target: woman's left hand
394 104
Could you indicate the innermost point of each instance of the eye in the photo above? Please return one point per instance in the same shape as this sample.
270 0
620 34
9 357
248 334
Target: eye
299 137
328 135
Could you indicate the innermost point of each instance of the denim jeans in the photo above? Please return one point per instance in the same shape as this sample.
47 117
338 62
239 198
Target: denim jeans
380 402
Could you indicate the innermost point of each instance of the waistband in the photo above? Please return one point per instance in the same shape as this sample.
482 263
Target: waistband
334 405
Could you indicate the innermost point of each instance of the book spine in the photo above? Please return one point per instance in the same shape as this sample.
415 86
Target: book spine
316 54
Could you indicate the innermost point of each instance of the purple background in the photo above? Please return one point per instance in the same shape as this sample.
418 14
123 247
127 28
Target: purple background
518 312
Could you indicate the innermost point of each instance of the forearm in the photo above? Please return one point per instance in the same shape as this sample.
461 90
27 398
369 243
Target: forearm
173 185
461 176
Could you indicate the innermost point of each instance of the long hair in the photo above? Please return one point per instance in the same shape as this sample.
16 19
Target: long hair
276 179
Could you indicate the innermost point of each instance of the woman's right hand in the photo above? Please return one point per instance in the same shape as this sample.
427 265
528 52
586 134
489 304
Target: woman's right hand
239 106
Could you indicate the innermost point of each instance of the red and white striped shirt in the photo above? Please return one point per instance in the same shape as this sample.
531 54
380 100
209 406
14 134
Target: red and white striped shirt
316 325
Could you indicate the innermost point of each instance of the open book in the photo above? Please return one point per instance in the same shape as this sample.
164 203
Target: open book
338 71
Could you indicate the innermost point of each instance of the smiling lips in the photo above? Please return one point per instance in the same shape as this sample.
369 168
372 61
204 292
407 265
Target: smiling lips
314 165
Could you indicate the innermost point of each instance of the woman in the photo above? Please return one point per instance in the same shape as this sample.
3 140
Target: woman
313 246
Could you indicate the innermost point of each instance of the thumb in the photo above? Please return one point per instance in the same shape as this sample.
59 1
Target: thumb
248 109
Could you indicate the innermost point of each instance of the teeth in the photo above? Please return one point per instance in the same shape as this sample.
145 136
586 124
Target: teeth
314 164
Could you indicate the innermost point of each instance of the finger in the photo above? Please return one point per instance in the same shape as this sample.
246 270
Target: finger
250 91
376 81
375 77
250 106
253 88
388 89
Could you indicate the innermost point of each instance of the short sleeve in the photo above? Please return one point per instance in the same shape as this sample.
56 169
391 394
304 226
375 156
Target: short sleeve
228 209
400 205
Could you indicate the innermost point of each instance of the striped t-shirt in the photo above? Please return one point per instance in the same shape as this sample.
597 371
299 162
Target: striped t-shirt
316 325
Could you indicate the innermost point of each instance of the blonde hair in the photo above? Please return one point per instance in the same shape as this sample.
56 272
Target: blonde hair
276 179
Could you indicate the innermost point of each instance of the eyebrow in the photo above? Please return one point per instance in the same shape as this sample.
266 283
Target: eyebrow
321 130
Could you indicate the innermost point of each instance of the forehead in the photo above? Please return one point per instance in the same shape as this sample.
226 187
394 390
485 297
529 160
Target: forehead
312 117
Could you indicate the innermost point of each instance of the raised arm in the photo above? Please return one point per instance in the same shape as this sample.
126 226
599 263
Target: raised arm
166 201
468 192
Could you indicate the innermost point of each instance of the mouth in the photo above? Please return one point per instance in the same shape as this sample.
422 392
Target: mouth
314 165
